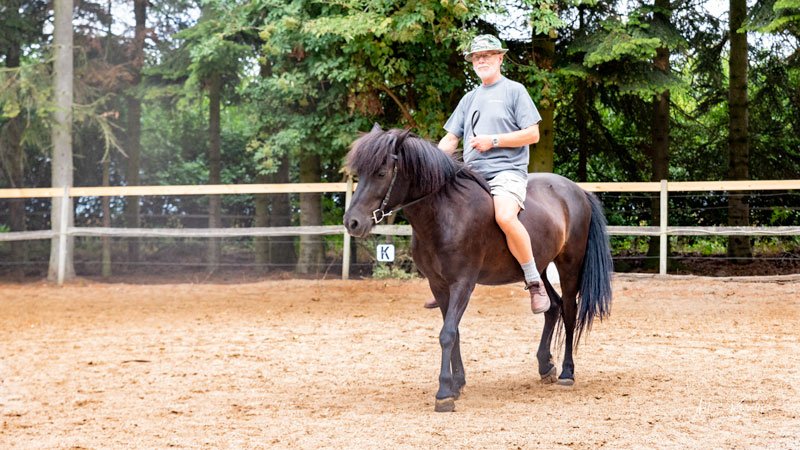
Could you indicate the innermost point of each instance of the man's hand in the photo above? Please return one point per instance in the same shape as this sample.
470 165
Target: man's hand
481 142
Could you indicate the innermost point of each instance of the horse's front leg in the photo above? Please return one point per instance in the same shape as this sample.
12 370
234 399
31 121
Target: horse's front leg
442 296
457 365
451 375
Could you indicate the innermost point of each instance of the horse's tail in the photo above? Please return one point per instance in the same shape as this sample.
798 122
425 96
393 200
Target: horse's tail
595 290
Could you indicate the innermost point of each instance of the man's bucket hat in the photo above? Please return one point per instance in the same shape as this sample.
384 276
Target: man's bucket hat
484 43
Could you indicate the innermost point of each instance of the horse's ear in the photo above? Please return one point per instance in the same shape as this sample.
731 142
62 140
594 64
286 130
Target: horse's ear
375 127
401 138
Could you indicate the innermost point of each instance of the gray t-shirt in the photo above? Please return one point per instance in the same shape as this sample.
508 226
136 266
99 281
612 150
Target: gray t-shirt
504 106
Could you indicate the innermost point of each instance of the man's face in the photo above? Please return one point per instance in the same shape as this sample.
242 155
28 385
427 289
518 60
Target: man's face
487 64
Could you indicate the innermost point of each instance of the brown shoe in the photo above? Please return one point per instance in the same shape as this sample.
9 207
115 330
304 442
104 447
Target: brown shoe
540 302
431 303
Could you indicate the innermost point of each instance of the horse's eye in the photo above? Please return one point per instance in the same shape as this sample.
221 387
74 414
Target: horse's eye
382 174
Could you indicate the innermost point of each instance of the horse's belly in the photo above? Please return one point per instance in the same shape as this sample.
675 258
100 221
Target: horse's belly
487 252
501 273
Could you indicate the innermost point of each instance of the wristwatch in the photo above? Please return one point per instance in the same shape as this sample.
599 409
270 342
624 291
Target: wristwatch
495 141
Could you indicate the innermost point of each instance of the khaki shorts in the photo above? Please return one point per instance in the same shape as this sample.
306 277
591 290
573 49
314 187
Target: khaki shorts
510 184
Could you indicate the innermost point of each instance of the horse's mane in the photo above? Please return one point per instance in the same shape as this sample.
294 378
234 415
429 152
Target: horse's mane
430 167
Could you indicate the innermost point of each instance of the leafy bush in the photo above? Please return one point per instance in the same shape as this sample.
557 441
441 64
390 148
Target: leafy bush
382 271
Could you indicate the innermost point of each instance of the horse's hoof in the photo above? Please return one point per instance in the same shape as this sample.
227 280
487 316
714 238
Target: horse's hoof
566 381
445 405
550 377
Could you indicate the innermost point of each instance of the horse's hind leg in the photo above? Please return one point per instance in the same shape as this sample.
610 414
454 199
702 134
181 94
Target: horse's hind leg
569 289
547 370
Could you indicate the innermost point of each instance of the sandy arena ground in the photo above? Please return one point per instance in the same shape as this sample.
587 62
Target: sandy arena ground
682 363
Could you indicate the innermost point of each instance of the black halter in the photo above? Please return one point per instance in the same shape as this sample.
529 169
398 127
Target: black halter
380 211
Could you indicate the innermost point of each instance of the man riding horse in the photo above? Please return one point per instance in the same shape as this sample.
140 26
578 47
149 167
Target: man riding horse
497 121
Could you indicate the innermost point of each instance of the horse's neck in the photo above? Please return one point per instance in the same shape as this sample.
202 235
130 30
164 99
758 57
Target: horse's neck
457 198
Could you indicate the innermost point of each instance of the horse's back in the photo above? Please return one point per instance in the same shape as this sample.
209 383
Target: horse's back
542 183
557 213
556 194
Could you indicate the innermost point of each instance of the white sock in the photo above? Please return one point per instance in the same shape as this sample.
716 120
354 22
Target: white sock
531 274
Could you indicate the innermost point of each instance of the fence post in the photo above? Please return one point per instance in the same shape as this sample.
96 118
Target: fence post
662 254
348 194
62 237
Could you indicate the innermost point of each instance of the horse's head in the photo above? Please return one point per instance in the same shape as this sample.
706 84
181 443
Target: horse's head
376 158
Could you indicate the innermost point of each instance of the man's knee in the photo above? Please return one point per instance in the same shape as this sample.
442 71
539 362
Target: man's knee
505 212
505 220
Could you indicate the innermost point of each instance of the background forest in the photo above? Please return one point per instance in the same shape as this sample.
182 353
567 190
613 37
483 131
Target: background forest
169 92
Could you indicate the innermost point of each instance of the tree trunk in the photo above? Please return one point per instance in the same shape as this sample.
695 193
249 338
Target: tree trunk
106 261
261 243
581 109
739 168
659 133
16 177
582 116
275 211
311 247
105 264
214 167
281 249
541 159
11 144
62 175
660 164
134 131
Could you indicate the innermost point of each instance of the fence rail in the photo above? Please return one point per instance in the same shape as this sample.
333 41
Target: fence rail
663 230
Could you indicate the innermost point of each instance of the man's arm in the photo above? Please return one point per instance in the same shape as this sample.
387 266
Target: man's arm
527 136
449 143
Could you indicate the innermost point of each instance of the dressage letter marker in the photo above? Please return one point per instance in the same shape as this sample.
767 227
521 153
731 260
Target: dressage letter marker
385 252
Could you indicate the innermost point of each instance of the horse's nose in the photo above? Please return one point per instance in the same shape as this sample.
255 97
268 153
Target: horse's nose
351 225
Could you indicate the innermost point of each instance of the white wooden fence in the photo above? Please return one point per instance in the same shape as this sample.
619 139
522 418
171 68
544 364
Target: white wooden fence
663 230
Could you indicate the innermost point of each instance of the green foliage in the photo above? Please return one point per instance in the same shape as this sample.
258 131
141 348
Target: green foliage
25 92
705 246
784 214
209 46
620 54
772 245
332 69
628 245
618 45
774 16
382 271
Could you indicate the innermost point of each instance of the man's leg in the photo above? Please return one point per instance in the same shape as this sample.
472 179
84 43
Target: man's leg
506 210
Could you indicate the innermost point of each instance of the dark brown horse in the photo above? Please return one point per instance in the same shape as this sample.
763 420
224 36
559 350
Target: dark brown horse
457 244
